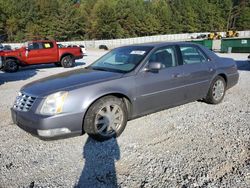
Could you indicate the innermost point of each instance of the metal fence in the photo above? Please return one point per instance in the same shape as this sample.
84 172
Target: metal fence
137 40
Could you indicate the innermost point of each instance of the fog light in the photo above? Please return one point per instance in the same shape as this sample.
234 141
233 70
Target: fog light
53 132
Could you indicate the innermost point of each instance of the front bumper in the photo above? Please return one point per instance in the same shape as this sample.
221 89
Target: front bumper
48 126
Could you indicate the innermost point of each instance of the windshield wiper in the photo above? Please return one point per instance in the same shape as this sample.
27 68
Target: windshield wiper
99 68
105 69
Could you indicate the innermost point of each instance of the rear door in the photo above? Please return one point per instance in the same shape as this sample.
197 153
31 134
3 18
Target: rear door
158 90
198 71
49 52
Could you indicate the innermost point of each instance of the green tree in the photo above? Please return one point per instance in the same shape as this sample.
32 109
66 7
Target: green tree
22 20
244 19
162 11
105 25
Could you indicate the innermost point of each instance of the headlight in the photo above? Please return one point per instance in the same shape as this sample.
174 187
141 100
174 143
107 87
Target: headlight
53 104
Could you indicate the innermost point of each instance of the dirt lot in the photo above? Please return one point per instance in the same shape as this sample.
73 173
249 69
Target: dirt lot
194 145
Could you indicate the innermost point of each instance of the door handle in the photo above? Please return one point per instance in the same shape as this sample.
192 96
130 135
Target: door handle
211 69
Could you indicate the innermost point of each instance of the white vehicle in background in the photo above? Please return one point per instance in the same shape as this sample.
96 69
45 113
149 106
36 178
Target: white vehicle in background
81 46
73 45
83 49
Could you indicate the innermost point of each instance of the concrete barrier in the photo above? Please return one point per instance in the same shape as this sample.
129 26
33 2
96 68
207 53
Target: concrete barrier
137 40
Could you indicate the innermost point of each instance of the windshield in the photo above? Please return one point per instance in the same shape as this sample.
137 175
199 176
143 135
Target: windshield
123 59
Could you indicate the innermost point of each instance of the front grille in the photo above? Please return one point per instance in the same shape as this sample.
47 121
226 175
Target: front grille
24 102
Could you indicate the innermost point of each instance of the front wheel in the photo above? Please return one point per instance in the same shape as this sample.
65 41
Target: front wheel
10 65
106 118
216 91
68 61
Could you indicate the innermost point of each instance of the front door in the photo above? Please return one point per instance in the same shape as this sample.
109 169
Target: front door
33 55
162 89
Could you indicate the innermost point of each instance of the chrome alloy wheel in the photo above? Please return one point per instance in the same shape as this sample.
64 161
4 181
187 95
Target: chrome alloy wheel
218 90
109 119
68 61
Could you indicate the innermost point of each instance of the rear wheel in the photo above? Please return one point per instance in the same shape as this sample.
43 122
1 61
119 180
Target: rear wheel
216 91
68 61
11 65
106 118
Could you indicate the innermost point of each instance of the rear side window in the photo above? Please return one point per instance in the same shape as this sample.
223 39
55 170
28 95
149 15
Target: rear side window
47 45
166 56
192 55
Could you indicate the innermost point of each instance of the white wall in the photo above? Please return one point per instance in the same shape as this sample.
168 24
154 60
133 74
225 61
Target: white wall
120 42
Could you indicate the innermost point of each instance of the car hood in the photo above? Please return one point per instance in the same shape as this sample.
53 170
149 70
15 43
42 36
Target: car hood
10 52
68 80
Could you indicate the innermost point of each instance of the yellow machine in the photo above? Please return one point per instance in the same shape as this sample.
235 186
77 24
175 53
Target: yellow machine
232 33
214 36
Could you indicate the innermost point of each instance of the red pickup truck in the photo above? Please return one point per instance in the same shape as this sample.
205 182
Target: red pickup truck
39 52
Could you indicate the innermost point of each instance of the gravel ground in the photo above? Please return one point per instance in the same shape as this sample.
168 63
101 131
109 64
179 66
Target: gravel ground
194 145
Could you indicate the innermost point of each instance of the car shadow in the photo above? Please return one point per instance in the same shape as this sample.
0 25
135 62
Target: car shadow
99 164
243 65
20 75
25 73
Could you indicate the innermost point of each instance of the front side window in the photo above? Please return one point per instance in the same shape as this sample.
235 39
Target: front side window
192 55
166 56
35 46
123 59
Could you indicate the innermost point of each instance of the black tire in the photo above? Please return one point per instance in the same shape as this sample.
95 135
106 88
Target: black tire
104 47
58 64
94 122
68 61
214 97
10 65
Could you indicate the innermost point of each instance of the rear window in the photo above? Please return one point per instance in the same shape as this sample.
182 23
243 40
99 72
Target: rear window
47 45
192 55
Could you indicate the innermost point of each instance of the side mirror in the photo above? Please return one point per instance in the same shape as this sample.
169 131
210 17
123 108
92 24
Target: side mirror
154 67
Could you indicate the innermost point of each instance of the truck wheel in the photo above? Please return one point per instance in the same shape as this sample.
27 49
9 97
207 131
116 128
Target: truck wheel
68 61
10 65
58 64
106 118
216 91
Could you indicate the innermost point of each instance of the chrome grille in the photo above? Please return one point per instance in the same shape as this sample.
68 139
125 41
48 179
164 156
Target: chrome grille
24 102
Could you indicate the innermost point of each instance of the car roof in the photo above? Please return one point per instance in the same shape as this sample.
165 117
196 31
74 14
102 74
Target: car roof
160 44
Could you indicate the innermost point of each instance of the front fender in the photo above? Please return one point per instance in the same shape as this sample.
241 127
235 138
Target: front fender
80 99
20 62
